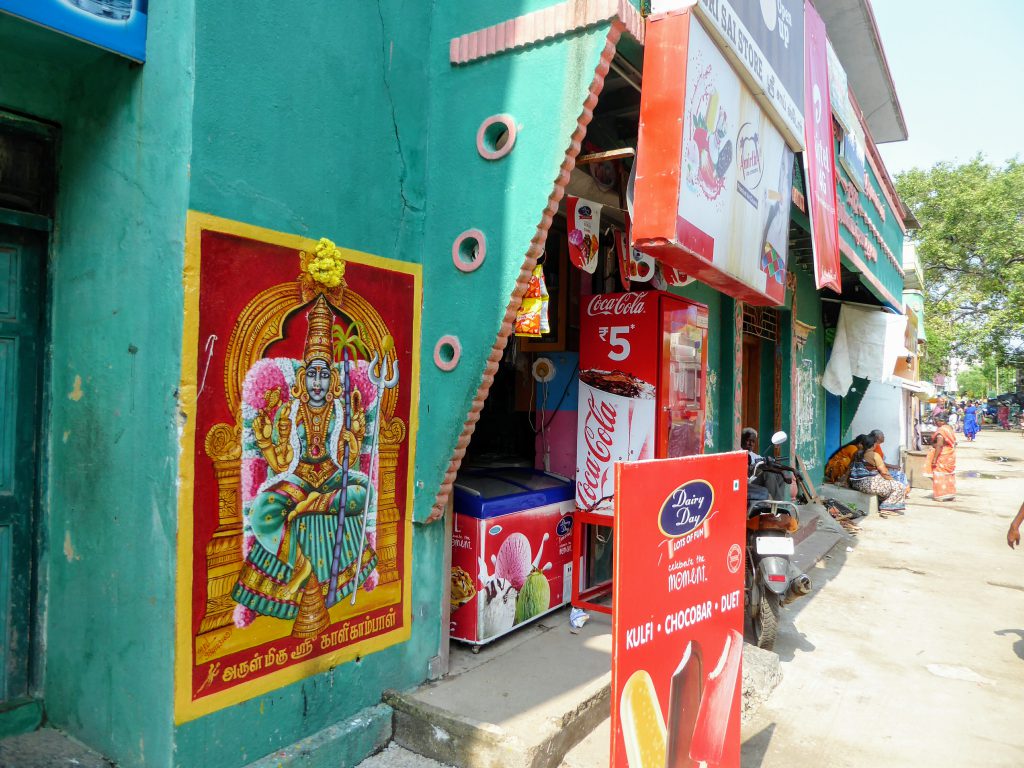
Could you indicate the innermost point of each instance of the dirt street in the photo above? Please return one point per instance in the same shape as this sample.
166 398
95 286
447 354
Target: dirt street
910 651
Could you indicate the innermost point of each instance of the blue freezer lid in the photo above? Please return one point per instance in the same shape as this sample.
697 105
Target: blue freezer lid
489 493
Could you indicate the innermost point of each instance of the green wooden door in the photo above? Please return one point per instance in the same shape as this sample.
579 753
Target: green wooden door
22 255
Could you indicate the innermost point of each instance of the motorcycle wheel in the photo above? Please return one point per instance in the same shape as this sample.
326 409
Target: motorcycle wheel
766 620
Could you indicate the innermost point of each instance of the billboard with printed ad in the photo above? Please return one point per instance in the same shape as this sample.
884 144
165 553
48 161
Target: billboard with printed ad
764 40
677 625
712 200
118 26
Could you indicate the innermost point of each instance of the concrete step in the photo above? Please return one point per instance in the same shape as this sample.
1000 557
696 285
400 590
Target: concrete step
47 748
867 503
525 700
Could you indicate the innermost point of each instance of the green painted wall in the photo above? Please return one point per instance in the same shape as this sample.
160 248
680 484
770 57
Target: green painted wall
347 121
109 500
808 397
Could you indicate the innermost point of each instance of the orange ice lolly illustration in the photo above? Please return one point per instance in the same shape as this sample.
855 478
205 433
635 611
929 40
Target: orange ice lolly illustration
717 703
683 703
643 725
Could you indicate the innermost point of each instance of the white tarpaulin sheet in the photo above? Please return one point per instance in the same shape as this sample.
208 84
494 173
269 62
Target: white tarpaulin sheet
868 343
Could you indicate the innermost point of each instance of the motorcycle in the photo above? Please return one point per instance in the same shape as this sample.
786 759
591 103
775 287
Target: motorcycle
771 521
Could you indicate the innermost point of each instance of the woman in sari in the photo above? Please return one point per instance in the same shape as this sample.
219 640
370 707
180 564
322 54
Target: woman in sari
868 474
895 472
838 463
971 427
1003 415
941 463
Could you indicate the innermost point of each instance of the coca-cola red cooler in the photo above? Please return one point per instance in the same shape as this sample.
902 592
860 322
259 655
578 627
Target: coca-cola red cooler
643 362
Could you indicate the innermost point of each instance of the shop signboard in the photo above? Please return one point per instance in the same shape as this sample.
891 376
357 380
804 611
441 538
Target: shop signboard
851 145
117 25
299 396
713 199
677 624
819 160
764 40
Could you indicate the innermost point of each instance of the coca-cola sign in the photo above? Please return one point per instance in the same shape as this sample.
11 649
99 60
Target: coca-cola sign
617 304
612 428
598 437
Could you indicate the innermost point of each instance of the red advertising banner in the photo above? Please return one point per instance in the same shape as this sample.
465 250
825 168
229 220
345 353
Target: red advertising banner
819 158
677 635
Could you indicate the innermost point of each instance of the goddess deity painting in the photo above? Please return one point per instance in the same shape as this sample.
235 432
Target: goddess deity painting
308 502
298 525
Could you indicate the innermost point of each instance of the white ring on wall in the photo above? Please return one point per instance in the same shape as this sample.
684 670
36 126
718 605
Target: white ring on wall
447 341
486 146
478 256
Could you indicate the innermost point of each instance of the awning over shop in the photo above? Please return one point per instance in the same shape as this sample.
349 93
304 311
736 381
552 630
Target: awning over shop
868 343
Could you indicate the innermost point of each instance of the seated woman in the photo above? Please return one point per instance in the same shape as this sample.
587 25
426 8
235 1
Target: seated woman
868 474
897 474
838 463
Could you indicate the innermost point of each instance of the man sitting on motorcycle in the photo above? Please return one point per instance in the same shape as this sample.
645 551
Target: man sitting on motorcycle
767 484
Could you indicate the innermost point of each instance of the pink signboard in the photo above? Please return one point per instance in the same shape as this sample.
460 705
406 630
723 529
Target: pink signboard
819 158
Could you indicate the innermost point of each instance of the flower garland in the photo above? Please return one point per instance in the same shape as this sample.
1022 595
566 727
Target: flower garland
327 266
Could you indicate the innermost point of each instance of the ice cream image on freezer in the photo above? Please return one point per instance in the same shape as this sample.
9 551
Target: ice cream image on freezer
683 704
716 704
643 725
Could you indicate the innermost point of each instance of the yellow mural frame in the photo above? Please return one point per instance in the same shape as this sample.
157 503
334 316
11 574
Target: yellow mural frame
185 708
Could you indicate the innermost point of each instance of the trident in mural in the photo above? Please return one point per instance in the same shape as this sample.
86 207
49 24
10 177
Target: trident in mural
381 380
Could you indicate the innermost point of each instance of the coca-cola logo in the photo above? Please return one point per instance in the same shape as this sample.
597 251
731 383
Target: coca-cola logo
617 304
599 436
686 508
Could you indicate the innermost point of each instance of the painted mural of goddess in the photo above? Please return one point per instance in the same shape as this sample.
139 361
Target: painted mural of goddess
305 474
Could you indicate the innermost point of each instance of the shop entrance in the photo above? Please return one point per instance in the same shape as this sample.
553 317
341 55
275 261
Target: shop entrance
759 405
751 381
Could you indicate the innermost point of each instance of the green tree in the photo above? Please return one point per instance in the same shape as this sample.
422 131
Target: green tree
971 245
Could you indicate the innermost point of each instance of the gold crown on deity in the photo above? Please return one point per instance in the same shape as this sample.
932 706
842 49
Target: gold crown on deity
318 337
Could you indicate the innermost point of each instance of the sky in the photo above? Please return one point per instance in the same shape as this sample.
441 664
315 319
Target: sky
960 95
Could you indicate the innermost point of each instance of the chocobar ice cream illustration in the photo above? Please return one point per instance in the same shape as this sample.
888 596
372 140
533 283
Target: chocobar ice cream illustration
683 704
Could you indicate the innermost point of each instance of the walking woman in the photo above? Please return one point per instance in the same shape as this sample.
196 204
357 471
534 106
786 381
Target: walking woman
941 462
868 474
971 427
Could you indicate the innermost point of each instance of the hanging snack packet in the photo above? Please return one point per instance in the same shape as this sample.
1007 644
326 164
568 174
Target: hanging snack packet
584 219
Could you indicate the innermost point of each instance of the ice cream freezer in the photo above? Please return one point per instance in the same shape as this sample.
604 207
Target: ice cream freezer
511 550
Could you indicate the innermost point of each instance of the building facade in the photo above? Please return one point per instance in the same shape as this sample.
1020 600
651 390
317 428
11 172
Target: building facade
175 229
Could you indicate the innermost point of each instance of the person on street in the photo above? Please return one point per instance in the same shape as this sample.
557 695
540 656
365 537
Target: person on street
895 472
868 474
1003 415
1013 534
838 463
954 419
940 463
971 427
